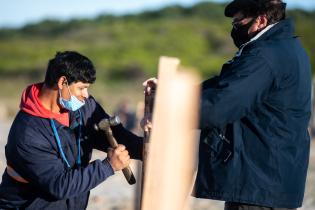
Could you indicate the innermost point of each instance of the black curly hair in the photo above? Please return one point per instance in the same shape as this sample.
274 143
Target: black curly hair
74 66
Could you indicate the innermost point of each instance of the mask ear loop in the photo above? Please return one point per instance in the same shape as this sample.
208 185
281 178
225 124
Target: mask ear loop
66 83
68 88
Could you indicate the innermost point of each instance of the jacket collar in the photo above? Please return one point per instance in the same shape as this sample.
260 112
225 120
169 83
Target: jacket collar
284 29
280 30
260 34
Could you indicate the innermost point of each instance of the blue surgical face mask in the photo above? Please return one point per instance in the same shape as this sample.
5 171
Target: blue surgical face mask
72 104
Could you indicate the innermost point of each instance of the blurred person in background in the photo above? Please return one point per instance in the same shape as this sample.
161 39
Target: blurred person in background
50 142
139 117
126 115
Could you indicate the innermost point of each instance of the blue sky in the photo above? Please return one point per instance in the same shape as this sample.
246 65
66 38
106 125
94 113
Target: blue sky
16 13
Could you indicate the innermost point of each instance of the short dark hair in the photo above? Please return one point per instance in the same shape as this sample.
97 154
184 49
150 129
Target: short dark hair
275 10
74 66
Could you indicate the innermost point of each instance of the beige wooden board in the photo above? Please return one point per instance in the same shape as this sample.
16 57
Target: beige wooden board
167 69
172 152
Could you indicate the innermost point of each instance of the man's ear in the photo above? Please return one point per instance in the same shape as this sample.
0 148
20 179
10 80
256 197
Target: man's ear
61 82
263 22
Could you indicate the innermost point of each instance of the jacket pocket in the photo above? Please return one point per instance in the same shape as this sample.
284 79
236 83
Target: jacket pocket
219 146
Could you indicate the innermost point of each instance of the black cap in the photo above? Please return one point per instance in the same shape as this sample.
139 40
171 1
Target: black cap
273 9
237 5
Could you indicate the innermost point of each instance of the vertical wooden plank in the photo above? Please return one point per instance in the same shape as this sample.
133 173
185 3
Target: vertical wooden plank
168 67
166 70
172 153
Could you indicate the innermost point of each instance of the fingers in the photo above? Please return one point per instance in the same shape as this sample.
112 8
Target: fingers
150 85
119 157
151 80
120 147
146 122
148 127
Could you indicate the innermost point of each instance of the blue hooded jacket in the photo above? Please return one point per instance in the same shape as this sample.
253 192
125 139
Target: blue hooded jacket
254 145
33 153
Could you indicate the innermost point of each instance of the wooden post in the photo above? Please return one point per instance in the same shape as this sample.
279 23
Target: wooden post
172 154
166 70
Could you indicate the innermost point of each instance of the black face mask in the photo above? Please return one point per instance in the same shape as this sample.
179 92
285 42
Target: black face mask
240 34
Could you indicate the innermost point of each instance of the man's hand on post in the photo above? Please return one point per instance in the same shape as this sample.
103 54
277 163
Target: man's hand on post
146 123
150 84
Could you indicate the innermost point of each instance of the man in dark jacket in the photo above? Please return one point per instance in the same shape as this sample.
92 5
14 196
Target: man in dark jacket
254 146
51 140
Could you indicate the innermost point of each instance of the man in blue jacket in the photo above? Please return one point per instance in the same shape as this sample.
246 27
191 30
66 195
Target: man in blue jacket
254 146
51 140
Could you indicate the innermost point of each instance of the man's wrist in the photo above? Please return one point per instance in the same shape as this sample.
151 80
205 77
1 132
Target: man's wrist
106 161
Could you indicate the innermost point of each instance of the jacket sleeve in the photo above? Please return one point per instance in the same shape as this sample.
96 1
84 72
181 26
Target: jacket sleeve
133 143
39 164
239 88
209 83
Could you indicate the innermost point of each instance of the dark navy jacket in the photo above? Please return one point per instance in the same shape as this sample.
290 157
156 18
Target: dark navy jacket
33 153
254 145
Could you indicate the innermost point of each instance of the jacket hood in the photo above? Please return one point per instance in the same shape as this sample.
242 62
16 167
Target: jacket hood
31 104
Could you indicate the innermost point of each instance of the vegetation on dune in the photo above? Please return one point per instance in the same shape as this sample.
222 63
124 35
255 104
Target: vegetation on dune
128 47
